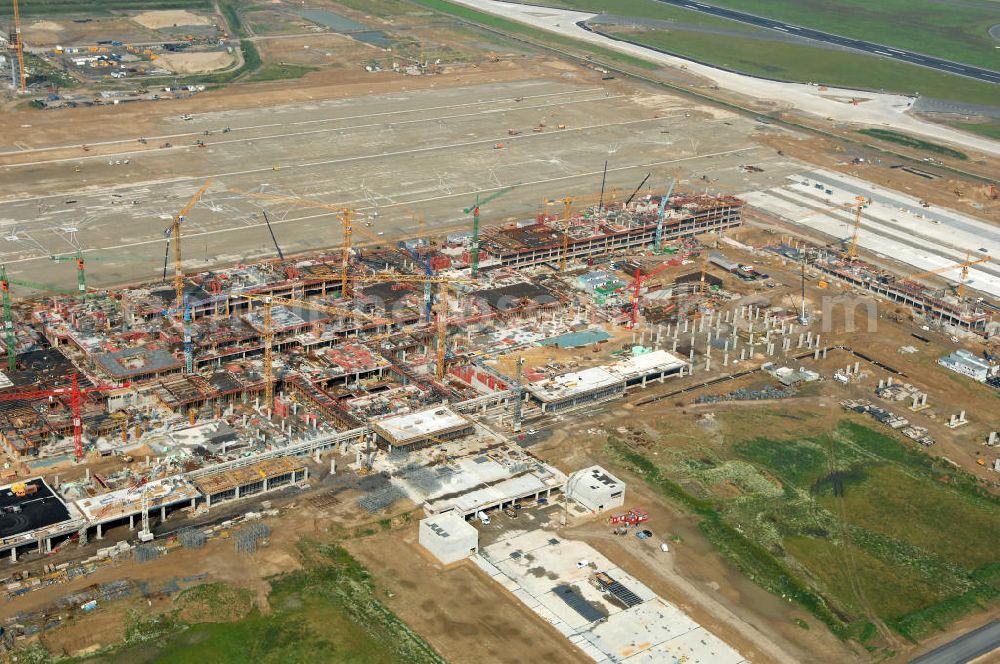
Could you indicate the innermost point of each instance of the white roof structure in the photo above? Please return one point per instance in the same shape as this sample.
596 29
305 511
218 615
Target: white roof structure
448 537
123 502
546 574
402 429
637 365
480 482
571 384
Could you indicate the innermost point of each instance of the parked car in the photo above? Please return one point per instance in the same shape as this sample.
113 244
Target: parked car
644 534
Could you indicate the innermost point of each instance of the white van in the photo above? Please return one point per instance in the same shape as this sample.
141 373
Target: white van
483 518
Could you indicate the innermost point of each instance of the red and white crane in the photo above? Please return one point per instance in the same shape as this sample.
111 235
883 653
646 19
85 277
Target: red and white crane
75 394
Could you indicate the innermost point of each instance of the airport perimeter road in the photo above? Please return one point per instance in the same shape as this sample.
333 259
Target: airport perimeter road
965 648
948 66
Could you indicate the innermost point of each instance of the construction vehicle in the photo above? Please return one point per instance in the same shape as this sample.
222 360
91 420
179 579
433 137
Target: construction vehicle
513 132
498 146
166 145
22 489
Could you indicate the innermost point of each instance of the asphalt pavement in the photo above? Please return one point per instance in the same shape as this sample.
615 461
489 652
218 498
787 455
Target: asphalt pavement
965 648
969 71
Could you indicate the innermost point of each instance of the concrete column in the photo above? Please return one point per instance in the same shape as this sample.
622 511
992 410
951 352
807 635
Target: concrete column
816 354
824 353
674 348
163 513
131 521
743 354
100 532
725 359
13 555
708 364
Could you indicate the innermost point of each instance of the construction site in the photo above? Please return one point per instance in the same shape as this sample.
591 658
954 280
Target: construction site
477 298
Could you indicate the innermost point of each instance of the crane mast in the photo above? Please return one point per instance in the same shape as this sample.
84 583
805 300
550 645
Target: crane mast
18 47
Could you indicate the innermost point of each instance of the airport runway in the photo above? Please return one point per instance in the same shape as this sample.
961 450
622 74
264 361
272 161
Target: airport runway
966 648
910 57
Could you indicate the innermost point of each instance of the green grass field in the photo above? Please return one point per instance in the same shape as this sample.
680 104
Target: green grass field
957 31
987 129
854 525
911 142
953 30
806 64
326 612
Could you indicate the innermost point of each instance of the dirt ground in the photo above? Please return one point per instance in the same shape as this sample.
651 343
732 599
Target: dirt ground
195 63
67 32
465 615
166 18
91 125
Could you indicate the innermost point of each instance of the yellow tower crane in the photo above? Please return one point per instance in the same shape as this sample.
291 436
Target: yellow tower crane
269 301
852 249
345 215
964 267
175 231
566 216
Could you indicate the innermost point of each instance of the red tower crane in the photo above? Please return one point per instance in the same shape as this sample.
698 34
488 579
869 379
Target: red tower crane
637 285
75 398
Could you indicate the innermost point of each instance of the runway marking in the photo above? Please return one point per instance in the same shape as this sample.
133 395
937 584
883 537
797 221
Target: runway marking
404 204
163 151
305 122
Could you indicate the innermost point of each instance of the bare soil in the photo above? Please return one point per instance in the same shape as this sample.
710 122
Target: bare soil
166 18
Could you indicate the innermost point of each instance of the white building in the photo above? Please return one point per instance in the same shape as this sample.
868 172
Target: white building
967 364
596 489
448 537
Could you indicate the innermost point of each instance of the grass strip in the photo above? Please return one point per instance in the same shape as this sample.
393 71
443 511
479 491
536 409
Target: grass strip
911 142
754 561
